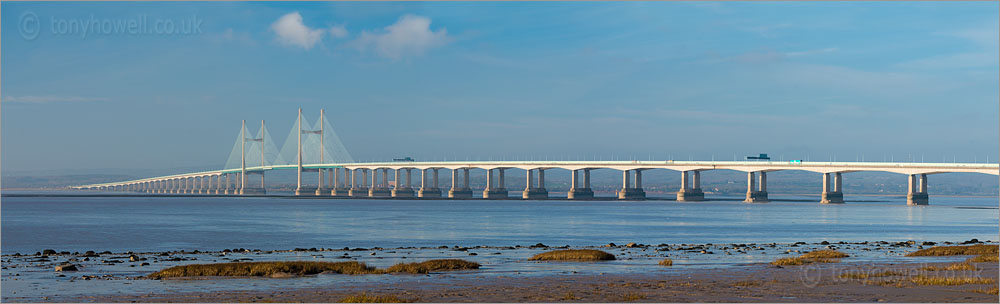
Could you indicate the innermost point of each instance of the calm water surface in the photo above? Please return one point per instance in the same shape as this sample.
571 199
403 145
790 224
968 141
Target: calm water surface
144 224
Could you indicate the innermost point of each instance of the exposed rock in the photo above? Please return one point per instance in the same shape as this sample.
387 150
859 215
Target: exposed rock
66 267
48 252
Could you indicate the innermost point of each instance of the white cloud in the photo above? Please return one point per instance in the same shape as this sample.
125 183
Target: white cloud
411 35
338 31
50 98
291 31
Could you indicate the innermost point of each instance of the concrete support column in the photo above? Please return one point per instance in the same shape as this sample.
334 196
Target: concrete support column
626 183
638 179
572 179
531 181
401 189
409 178
826 182
917 194
423 178
690 187
380 188
838 182
684 180
923 183
503 183
359 188
541 178
630 191
489 179
426 190
578 192
456 191
385 178
763 181
831 195
341 183
533 192
758 195
493 189
396 179
465 185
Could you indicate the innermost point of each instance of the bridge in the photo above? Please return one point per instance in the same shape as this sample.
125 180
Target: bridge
317 149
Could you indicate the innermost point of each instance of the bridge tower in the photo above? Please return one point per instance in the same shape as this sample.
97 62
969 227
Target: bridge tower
243 162
299 189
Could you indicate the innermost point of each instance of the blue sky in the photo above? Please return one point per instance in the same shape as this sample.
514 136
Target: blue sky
481 80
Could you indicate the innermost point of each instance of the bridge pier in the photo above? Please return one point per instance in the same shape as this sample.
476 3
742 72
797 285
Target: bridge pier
834 196
380 188
460 192
359 189
228 184
535 193
915 196
632 193
759 195
400 190
320 189
341 188
218 184
692 193
433 190
498 191
575 191
186 185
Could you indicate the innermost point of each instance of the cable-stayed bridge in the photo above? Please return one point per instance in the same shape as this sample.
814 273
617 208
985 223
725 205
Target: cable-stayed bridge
315 148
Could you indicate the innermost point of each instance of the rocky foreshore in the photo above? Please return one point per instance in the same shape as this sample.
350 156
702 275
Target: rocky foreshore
31 277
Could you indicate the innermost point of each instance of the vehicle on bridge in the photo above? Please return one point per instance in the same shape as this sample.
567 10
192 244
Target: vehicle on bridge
404 159
762 156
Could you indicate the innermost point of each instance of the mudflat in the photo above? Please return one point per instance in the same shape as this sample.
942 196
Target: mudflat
752 283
